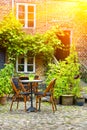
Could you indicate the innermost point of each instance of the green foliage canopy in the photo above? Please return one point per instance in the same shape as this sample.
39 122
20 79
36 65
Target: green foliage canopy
13 38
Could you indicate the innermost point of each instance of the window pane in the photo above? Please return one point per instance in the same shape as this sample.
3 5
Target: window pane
21 60
25 64
22 22
21 15
30 8
30 60
21 8
30 23
26 15
20 67
30 16
30 68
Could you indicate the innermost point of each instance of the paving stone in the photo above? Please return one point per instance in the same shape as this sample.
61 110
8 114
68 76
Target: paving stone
65 118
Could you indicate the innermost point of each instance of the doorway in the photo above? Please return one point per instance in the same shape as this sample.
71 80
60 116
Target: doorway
62 53
2 58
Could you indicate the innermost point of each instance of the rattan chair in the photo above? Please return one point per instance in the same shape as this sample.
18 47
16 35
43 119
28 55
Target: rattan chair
26 85
35 84
47 92
18 93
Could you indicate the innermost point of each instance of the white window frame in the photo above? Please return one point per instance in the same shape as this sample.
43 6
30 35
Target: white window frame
26 12
25 65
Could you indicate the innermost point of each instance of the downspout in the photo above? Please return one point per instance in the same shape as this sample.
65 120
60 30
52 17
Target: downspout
12 6
55 61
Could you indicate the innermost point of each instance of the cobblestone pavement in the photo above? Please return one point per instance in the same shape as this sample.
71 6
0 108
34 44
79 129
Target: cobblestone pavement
65 118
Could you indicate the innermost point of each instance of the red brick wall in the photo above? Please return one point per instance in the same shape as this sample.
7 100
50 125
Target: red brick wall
50 13
5 7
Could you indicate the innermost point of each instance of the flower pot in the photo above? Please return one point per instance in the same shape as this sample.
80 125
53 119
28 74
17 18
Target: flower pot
67 99
80 101
3 100
57 101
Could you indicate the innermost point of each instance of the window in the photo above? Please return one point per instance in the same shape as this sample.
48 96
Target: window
25 64
26 14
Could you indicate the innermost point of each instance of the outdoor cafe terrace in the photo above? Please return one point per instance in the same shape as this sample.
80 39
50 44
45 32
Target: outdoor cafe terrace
65 118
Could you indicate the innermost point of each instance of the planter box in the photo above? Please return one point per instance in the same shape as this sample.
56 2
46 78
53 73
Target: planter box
67 99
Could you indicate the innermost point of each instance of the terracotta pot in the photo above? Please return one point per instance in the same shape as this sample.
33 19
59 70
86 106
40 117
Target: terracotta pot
3 100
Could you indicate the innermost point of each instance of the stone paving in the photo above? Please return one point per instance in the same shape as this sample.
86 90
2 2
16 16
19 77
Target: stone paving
65 118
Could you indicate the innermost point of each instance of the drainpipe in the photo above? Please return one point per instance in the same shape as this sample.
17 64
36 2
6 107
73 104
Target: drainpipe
55 60
12 6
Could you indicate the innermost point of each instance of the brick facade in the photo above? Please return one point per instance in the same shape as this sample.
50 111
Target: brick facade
55 12
5 7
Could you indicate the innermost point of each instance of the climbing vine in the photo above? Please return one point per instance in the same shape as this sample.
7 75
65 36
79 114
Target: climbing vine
16 42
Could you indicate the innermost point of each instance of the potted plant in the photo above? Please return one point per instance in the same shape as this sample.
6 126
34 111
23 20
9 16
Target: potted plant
31 76
67 74
79 96
84 92
5 86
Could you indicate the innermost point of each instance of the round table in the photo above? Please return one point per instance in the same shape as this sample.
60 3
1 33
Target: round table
31 108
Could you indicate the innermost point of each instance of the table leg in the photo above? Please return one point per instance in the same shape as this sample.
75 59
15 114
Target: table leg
31 108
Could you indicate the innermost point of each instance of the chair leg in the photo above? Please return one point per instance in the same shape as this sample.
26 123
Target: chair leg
18 99
28 98
36 103
17 104
38 100
55 104
25 98
51 98
39 104
11 105
13 99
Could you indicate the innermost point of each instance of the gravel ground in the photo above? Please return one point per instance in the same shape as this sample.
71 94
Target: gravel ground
65 118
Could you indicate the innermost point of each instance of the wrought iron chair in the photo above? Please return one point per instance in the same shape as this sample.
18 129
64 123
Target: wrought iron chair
48 92
19 92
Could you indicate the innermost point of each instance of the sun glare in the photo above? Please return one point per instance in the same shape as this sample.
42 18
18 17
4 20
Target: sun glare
80 0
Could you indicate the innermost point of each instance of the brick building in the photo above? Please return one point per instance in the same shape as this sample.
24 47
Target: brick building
41 15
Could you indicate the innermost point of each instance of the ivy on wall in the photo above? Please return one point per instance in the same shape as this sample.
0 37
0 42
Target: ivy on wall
17 42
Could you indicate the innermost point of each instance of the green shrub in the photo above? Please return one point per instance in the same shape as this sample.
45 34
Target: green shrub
5 77
67 73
